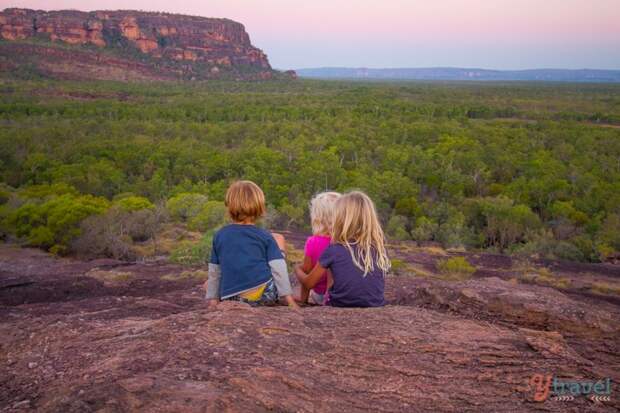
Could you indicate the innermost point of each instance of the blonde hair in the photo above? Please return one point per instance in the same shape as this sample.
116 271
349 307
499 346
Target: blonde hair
245 201
322 212
356 222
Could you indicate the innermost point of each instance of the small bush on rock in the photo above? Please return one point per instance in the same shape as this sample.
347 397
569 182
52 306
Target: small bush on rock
456 267
194 253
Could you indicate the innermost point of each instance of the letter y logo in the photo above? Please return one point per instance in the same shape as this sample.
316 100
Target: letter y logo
541 384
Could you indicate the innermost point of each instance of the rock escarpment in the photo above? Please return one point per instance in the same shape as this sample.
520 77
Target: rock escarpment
103 335
167 45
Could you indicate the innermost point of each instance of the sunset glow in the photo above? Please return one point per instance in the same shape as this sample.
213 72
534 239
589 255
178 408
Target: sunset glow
497 34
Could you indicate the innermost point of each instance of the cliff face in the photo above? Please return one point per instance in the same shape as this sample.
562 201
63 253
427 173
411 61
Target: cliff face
205 47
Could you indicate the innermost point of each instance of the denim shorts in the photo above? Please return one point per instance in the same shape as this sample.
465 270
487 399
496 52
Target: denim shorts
318 299
269 297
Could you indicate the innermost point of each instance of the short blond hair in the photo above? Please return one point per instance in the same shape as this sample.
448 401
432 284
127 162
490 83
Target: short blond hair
356 223
322 212
245 201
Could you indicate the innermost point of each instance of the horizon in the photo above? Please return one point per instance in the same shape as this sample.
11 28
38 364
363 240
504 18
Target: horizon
456 67
487 35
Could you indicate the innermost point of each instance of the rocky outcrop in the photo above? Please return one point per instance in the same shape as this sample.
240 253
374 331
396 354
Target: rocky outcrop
110 336
209 47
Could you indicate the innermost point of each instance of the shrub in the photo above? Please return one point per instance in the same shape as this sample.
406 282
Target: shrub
272 218
292 215
4 196
543 276
104 236
186 206
4 213
609 233
605 288
456 267
502 222
407 207
55 223
452 231
397 228
443 223
549 248
567 221
398 266
194 253
604 251
566 210
133 203
113 233
566 251
424 230
212 215
587 248
46 191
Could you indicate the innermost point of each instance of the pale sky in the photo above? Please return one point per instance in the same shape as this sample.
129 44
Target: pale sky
491 34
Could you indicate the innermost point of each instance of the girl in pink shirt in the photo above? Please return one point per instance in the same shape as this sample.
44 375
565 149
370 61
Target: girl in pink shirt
321 216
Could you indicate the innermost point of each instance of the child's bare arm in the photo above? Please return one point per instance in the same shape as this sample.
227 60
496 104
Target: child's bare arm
309 280
290 301
304 292
306 266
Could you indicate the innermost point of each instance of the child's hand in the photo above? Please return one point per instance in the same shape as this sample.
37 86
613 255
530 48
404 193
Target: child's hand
291 302
299 272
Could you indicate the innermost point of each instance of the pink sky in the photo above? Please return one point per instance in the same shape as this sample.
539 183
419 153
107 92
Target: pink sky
497 34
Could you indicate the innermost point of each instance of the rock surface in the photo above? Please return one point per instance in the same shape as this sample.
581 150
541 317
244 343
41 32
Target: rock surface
109 336
168 45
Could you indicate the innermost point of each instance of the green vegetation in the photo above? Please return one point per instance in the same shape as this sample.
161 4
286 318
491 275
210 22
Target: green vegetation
198 275
456 267
544 276
193 253
605 288
398 265
516 168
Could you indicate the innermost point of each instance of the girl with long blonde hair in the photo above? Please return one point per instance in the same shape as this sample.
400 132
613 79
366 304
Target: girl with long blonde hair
356 260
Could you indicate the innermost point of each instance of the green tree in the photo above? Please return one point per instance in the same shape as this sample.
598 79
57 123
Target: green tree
186 206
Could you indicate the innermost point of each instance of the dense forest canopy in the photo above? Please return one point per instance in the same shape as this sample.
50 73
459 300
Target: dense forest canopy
530 168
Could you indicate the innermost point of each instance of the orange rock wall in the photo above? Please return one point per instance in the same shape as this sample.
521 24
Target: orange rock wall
219 42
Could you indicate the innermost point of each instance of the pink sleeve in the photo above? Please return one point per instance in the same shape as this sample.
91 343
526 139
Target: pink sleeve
308 247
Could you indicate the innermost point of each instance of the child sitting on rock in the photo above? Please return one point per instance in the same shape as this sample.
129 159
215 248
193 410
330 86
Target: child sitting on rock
247 262
321 219
356 259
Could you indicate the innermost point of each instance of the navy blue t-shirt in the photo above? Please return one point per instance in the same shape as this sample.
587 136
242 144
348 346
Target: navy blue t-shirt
243 253
351 288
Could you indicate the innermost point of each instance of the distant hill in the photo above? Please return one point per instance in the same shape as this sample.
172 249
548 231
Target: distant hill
126 45
456 73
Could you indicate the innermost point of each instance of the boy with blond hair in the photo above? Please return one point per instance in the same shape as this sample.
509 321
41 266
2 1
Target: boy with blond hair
247 262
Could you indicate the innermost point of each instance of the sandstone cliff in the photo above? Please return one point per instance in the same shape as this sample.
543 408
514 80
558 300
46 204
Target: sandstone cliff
153 45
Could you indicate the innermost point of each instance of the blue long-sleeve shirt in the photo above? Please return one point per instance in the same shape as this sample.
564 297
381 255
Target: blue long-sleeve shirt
244 257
